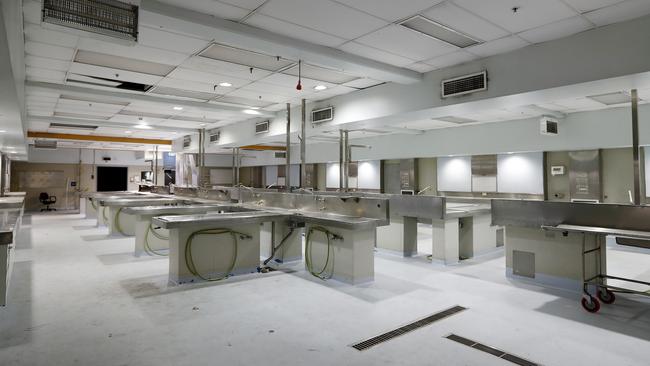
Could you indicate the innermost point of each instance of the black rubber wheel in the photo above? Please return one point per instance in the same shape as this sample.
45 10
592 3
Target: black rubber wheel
606 296
591 304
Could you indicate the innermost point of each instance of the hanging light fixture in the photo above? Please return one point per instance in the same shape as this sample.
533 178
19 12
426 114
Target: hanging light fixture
299 86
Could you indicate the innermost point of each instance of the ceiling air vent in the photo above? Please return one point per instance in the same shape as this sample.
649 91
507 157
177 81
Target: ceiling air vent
108 17
187 141
262 127
45 144
322 115
464 84
280 154
72 126
214 136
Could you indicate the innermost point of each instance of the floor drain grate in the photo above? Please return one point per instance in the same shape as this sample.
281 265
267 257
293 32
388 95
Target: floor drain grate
491 350
364 345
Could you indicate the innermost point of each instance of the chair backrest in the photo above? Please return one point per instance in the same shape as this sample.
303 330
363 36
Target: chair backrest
43 196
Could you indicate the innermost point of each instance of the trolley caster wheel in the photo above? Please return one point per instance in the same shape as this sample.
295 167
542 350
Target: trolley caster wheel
591 304
606 296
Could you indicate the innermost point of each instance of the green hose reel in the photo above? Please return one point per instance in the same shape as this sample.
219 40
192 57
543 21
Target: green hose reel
189 260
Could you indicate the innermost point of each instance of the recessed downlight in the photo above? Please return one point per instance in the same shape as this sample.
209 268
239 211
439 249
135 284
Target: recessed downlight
225 84
251 111
320 87
143 127
128 132
178 108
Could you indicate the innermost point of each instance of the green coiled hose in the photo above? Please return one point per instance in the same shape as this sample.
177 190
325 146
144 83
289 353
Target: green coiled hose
308 252
189 261
147 247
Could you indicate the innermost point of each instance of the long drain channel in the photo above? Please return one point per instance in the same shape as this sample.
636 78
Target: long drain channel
491 350
364 345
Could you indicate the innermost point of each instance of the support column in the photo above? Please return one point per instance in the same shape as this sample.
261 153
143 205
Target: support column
303 146
287 173
635 147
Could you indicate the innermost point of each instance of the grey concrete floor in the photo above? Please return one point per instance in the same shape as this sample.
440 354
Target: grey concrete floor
80 298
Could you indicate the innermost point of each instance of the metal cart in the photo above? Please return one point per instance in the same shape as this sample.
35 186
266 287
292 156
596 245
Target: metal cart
604 291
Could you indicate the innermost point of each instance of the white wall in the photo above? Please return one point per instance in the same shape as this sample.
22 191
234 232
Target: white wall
647 171
369 175
71 156
521 173
455 174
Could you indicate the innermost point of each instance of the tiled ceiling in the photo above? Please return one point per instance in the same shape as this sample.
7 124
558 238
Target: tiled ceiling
183 67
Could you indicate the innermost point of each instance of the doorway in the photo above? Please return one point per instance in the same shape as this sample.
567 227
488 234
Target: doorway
112 178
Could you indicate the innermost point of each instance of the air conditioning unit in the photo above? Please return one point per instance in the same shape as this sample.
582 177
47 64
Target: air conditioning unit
213 136
548 125
187 141
280 154
45 144
465 84
322 115
262 127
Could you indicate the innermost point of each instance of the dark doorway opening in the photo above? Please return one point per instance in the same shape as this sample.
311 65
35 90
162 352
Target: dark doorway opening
112 178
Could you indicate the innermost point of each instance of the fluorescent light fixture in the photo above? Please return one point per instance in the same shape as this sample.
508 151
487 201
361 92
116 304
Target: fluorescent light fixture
320 87
2 131
438 31
128 132
611 98
453 119
202 124
254 108
225 84
177 108
143 127
250 111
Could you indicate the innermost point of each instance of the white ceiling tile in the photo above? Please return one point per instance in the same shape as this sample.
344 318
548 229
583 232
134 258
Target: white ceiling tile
47 63
325 16
362 83
255 95
391 10
288 91
48 50
408 43
191 85
451 59
224 68
531 13
420 67
32 11
212 7
37 33
375 54
137 51
208 78
623 11
560 29
155 37
464 21
116 74
426 124
579 104
498 46
589 5
290 81
246 4
293 30
35 72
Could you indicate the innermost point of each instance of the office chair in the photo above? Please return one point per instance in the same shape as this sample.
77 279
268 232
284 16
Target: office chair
47 200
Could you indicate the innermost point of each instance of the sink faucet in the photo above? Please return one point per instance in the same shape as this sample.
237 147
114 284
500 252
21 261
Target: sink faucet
320 199
423 190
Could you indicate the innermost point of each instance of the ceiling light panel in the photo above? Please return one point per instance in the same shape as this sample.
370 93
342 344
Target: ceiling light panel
122 63
72 126
403 41
438 31
455 17
611 98
454 119
245 58
320 73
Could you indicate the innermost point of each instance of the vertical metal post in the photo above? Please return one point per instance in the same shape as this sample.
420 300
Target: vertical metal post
234 166
635 146
341 158
303 146
3 171
287 171
237 165
155 169
200 159
346 161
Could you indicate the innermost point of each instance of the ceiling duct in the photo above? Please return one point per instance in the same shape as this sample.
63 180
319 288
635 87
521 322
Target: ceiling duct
72 126
108 17
464 84
45 144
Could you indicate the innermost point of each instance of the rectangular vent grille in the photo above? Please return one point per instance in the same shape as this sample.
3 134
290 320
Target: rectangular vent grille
72 126
262 127
45 144
491 350
108 17
214 136
187 141
464 84
322 115
364 345
280 154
